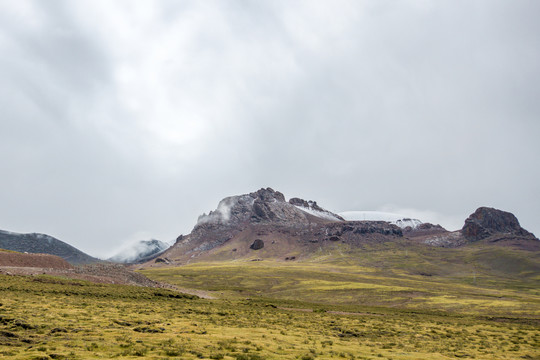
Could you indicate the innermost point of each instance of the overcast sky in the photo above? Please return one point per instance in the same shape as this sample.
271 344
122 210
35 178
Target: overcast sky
125 120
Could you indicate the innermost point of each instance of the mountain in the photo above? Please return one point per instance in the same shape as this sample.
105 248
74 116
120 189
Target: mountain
44 244
140 251
263 224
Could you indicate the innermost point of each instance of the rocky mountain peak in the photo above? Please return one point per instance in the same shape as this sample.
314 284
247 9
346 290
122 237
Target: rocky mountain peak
263 206
234 214
486 221
268 195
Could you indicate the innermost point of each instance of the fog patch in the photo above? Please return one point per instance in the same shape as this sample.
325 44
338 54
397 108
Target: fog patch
134 250
219 216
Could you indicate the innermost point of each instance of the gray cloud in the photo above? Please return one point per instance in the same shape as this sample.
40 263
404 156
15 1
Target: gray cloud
123 120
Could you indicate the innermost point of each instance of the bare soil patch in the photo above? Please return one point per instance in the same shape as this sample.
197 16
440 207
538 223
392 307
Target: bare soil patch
14 259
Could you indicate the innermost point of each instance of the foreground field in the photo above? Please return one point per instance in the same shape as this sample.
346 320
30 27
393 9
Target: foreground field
45 317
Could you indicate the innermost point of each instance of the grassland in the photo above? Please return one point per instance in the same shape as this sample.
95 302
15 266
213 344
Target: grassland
359 308
472 280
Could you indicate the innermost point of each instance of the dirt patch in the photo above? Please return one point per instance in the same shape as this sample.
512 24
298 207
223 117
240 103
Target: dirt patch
200 293
97 273
14 259
331 312
295 309
352 313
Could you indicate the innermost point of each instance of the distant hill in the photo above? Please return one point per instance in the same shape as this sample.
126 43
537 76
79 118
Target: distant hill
44 244
263 225
140 251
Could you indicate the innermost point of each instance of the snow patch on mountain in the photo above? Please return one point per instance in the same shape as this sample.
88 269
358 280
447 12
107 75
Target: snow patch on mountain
321 214
396 219
406 222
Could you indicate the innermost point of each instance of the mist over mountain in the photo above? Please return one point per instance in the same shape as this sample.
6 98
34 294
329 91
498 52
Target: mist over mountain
139 251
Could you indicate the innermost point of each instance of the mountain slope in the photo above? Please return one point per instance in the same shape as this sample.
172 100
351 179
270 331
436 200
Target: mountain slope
44 244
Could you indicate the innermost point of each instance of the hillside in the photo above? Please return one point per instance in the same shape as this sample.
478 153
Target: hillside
44 244
264 226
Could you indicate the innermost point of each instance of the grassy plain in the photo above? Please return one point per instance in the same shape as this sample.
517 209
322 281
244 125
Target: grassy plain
321 308
472 280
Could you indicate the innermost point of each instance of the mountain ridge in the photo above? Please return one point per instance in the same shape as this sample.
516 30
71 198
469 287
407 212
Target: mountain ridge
263 224
36 243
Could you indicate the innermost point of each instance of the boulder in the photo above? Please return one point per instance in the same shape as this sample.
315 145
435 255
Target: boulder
257 244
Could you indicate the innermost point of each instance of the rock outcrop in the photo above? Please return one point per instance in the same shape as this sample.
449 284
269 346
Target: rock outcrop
485 222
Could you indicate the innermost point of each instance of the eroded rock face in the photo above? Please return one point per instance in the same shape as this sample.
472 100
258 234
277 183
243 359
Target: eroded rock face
485 222
362 228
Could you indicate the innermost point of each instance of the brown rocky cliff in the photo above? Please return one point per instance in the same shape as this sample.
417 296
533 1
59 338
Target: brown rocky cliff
485 222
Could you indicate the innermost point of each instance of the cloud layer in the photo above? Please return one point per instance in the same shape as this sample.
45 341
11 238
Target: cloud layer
129 117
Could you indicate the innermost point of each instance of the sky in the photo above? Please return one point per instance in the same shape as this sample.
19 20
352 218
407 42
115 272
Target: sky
125 120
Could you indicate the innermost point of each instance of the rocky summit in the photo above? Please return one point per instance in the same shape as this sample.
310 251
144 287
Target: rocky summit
263 224
485 222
